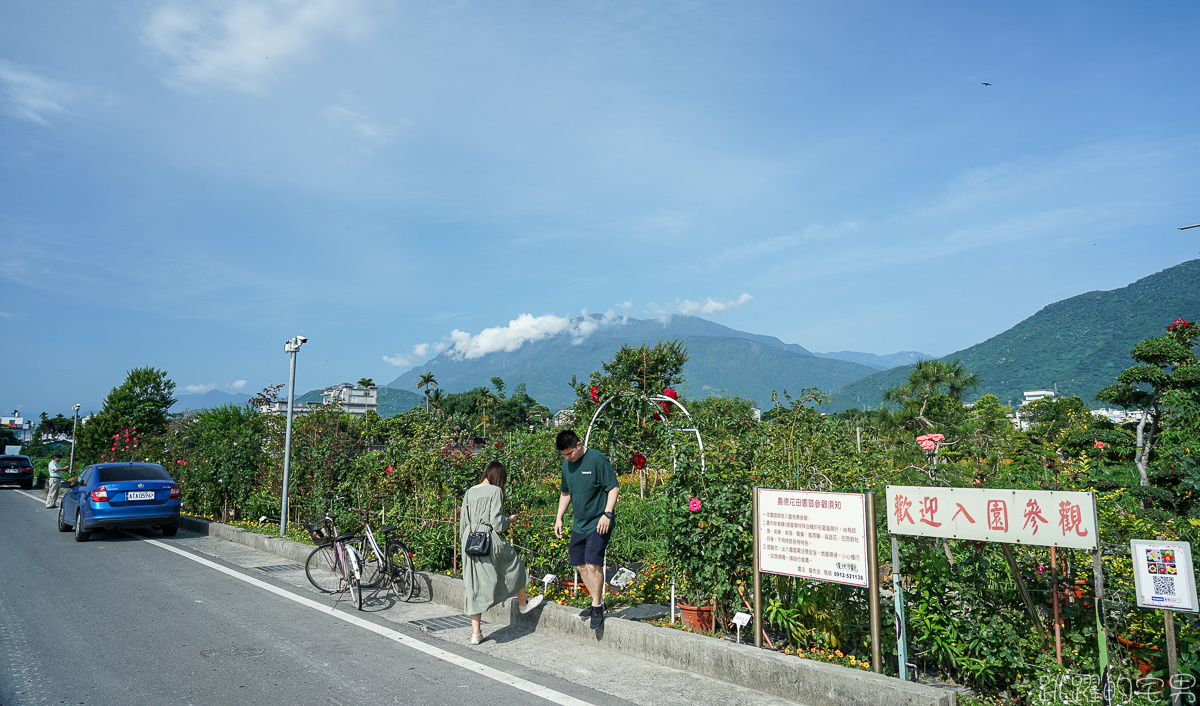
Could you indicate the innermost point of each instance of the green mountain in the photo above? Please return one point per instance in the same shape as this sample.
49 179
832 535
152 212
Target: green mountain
721 361
391 400
1077 345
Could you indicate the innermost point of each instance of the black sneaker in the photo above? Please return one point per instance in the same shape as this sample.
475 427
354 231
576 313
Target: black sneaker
597 616
587 612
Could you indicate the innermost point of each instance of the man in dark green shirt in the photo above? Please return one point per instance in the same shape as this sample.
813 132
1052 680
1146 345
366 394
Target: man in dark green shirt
588 483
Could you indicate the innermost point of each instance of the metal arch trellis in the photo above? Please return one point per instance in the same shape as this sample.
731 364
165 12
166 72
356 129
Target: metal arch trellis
654 400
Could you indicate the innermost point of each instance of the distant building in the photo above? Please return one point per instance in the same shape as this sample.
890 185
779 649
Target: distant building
21 427
1120 416
355 399
1035 395
280 407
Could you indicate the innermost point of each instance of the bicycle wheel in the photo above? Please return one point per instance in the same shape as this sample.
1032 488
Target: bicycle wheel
354 574
372 565
324 571
403 579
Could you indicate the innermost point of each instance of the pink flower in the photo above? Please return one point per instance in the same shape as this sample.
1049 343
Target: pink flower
1041 568
694 504
928 445
1099 444
116 436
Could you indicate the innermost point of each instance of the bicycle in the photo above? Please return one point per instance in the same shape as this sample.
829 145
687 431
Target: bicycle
395 564
334 565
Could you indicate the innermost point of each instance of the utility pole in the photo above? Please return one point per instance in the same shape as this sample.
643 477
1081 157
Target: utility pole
291 347
74 423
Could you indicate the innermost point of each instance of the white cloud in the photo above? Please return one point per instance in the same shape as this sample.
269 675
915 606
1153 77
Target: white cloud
526 328
208 387
360 123
398 361
29 96
240 44
710 306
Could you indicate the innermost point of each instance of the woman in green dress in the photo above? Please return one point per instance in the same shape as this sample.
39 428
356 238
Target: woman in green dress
492 579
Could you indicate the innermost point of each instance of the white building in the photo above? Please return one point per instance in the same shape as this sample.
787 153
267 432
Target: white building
355 399
21 427
280 407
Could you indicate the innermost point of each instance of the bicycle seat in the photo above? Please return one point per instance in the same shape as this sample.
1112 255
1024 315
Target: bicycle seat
387 528
344 537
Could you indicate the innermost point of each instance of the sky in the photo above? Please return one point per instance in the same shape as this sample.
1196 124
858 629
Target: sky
186 185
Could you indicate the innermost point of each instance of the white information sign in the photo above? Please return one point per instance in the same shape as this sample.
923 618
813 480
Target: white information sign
741 619
1042 517
820 536
1162 574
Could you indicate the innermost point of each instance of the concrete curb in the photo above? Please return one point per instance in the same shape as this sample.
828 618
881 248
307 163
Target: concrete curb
801 680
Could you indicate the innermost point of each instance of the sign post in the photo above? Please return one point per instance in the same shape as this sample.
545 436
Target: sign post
1036 517
821 537
1163 579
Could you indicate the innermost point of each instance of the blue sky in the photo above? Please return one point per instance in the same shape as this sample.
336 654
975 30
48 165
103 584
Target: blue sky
188 184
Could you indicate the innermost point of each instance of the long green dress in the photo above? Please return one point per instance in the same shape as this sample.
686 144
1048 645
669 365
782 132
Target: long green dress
489 580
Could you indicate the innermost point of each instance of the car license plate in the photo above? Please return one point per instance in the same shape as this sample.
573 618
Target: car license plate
139 495
11 470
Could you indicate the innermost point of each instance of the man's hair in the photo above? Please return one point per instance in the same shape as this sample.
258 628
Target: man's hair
56 456
566 439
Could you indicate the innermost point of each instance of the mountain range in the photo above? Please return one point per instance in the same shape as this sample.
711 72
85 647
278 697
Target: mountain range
1075 346
721 361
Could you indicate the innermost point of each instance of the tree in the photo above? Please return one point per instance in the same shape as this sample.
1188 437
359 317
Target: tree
141 403
366 382
426 382
930 385
1165 363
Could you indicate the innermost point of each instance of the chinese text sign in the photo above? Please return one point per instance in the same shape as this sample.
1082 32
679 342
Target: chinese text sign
1040 517
820 536
1162 574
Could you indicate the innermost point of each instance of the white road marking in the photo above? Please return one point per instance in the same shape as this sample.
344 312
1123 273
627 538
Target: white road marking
436 652
457 660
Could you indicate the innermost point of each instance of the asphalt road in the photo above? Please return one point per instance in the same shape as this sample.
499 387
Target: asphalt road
123 619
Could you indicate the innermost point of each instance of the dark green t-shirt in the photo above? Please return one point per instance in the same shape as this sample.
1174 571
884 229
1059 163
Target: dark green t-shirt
588 481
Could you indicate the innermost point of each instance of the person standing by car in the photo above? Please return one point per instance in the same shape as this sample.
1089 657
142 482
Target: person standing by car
588 483
54 482
492 579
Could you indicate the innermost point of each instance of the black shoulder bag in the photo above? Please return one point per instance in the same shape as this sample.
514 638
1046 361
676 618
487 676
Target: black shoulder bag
478 543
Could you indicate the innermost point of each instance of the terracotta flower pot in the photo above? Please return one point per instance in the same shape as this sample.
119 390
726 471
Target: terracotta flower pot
571 585
1140 653
697 617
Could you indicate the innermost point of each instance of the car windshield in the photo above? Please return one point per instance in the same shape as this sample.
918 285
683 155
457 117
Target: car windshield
115 474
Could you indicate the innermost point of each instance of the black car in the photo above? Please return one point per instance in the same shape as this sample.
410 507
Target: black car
16 469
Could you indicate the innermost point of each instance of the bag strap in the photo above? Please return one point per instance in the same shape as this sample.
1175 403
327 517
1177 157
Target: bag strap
467 506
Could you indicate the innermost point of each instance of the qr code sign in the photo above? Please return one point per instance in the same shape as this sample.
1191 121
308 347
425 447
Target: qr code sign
1164 585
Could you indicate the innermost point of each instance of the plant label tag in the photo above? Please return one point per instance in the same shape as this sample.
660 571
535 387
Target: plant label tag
548 579
741 619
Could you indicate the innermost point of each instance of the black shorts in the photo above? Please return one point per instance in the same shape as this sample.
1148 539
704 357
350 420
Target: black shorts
589 548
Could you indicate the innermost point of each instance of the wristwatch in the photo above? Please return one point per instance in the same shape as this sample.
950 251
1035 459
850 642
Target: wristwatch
609 515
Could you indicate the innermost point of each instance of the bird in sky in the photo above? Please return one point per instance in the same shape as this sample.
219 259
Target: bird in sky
986 83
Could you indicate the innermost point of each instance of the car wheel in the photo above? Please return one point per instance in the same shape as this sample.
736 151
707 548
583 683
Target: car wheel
81 535
62 526
170 530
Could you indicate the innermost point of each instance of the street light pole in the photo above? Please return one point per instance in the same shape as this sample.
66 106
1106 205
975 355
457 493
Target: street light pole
74 423
290 346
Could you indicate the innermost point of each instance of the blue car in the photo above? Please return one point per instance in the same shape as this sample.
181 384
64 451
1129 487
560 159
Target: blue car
120 496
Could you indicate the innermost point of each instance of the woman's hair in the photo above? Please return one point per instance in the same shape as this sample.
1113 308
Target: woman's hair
496 474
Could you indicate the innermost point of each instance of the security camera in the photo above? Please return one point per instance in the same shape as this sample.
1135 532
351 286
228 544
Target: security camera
301 339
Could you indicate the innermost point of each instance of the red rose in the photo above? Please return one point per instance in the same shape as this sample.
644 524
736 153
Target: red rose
665 407
655 415
668 392
639 461
595 393
497 444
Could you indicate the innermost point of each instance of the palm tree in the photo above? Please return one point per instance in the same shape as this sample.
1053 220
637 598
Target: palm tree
485 401
366 382
930 379
434 400
427 381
